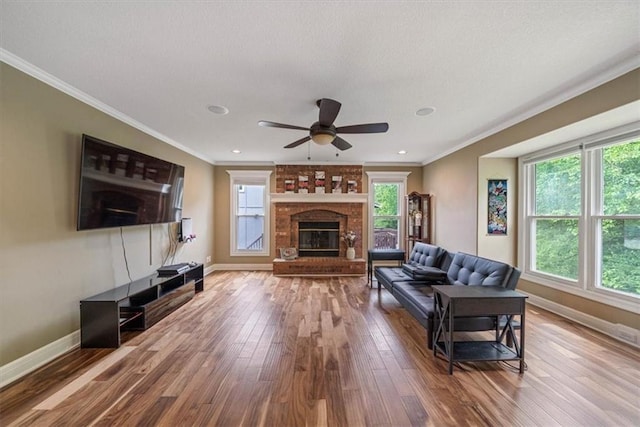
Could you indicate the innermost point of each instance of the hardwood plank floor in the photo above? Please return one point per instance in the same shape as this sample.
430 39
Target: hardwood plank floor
258 350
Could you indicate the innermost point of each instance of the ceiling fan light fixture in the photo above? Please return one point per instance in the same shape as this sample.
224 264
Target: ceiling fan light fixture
323 138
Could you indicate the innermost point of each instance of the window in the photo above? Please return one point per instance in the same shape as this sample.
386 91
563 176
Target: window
554 223
617 228
386 201
249 212
581 216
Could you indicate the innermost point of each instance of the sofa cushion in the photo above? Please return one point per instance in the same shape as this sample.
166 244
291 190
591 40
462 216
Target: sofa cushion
472 270
388 275
416 299
425 255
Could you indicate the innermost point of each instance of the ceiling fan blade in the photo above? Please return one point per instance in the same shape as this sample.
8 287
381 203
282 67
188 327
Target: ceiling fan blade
341 144
298 142
368 128
279 125
329 110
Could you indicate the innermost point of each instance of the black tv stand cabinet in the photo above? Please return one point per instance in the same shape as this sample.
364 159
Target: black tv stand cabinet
135 306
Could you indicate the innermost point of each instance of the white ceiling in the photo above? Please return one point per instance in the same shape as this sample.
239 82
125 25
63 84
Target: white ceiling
483 65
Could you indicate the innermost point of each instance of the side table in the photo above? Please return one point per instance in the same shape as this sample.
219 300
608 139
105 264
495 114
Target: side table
382 255
453 301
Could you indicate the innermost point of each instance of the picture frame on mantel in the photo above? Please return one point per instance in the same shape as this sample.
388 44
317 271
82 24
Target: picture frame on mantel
319 182
497 207
303 184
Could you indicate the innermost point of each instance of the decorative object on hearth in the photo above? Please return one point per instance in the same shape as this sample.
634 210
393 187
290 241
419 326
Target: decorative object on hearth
324 132
351 253
288 253
350 239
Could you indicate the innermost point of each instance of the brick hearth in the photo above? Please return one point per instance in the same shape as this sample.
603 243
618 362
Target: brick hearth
321 266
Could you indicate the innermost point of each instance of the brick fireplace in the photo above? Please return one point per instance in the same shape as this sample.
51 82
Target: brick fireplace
289 216
327 210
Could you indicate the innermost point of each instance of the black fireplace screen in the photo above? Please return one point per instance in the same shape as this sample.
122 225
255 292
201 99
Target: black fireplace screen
318 239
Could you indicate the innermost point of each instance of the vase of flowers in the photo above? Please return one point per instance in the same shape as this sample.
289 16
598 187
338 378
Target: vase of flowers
350 239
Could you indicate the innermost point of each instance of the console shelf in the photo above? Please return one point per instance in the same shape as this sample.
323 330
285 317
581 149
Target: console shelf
135 306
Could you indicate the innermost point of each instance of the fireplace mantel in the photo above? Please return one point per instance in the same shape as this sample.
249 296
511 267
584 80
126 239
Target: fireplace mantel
319 198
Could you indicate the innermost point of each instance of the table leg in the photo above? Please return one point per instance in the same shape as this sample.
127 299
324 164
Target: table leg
522 322
450 338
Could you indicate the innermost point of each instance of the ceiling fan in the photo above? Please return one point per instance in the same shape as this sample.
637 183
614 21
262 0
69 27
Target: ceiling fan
323 132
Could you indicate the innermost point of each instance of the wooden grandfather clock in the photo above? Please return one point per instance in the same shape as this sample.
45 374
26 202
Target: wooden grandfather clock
418 220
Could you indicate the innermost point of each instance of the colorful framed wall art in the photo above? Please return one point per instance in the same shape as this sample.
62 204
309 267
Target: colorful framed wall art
497 207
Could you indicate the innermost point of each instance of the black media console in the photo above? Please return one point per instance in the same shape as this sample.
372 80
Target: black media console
135 306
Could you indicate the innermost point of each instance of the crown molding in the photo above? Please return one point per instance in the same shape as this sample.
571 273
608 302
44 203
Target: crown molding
562 94
41 75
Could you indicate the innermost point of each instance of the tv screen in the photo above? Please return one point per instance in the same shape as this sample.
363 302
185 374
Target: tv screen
120 187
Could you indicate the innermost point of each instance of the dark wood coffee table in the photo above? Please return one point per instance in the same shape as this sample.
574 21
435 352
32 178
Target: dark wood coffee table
451 301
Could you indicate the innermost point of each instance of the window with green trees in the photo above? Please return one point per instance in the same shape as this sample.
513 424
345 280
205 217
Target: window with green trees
618 228
386 215
386 197
582 223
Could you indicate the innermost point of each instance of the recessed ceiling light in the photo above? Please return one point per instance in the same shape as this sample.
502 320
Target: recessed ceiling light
218 109
402 152
425 111
236 151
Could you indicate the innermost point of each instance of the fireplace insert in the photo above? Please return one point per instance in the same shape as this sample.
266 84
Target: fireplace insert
318 239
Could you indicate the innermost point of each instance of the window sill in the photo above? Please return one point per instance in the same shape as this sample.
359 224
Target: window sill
602 296
249 254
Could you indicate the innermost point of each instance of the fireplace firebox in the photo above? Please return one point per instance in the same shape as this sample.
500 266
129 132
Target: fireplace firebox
318 239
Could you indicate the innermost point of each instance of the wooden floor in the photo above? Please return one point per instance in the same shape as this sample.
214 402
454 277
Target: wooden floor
254 349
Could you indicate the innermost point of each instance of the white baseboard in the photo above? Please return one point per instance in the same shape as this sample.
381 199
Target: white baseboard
243 267
614 330
32 361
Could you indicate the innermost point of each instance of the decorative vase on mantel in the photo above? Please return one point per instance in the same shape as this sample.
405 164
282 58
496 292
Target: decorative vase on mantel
351 253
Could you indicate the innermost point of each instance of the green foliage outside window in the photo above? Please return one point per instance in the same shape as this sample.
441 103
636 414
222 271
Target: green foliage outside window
621 238
557 247
386 204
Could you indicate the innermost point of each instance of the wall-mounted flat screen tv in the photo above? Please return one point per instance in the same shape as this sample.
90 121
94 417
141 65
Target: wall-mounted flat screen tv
120 187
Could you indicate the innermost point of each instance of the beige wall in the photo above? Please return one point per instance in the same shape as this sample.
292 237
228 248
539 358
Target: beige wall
453 184
223 203
46 266
454 180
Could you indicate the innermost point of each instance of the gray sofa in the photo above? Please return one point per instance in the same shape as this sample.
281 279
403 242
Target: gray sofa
430 265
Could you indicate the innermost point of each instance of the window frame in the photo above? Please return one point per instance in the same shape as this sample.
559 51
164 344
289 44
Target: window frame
381 177
591 214
249 177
